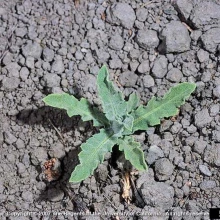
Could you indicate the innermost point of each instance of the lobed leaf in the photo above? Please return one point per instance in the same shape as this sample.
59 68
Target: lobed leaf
132 152
156 109
75 107
133 102
112 100
92 154
117 128
128 122
99 118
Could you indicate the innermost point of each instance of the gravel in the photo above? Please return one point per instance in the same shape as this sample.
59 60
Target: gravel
207 184
212 153
203 56
59 46
29 62
13 69
157 194
48 54
128 79
7 59
38 156
10 83
116 42
144 67
21 32
154 153
27 196
206 13
9 138
163 169
147 39
174 75
51 80
216 91
159 69
175 38
20 144
102 172
200 146
202 118
148 81
142 14
32 49
214 109
205 170
21 168
211 39
184 7
58 65
121 14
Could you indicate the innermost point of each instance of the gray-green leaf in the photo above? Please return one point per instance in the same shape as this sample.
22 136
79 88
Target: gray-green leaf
132 152
165 107
92 154
128 122
133 102
75 107
112 100
117 128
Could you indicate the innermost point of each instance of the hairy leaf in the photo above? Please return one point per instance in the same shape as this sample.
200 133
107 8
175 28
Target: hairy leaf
117 128
92 154
128 122
99 118
133 102
112 100
132 152
75 107
121 119
165 107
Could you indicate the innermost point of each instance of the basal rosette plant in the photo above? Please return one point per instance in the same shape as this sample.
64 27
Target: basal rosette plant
119 120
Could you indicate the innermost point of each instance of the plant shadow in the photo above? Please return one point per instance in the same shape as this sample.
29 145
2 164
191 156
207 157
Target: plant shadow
37 116
49 118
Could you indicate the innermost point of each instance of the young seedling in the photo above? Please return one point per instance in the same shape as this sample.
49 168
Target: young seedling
119 121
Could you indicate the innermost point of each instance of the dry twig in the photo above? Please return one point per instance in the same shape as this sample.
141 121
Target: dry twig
110 202
57 132
188 27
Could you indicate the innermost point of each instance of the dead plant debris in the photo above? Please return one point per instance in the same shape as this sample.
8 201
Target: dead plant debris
52 169
126 187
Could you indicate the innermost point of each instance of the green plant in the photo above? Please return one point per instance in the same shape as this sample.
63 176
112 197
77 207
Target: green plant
120 119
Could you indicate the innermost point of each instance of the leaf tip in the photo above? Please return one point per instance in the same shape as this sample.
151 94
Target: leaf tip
192 85
103 72
74 178
74 181
46 99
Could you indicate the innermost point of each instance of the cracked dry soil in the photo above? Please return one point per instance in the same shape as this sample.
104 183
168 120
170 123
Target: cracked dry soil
49 46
